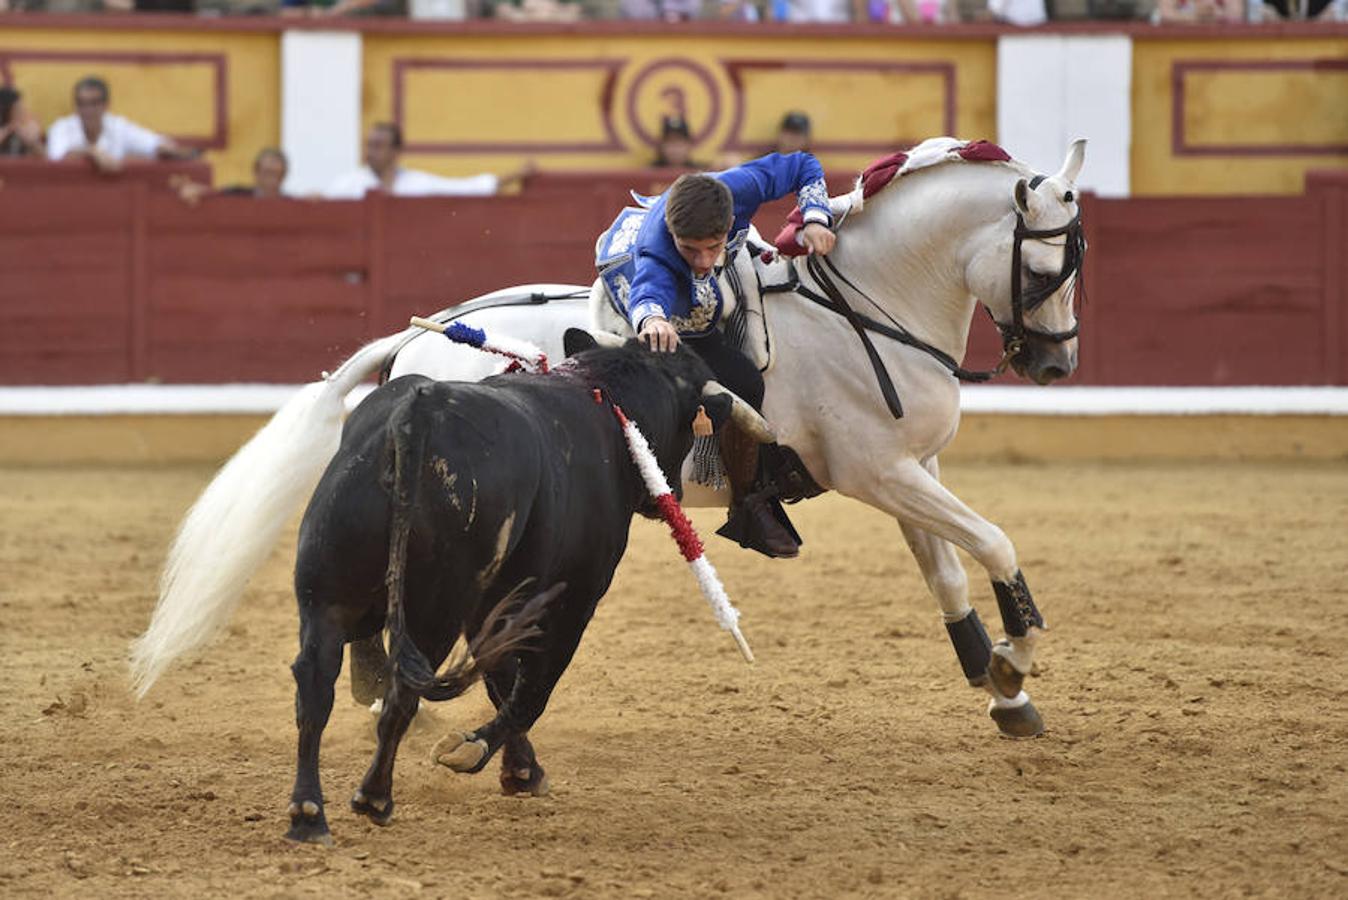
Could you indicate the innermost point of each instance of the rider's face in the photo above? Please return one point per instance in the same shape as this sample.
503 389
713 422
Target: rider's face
701 254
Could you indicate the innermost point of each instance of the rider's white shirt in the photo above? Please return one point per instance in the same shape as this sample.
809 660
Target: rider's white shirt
411 183
119 138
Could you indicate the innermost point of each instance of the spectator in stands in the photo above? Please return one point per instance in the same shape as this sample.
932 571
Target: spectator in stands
538 11
738 11
923 12
20 133
675 149
663 10
819 11
1323 10
270 167
322 8
1018 12
793 135
104 138
1199 11
383 147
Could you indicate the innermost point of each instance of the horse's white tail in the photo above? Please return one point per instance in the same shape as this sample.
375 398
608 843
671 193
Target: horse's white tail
231 529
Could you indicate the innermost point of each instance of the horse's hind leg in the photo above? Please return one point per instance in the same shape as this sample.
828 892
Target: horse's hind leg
315 669
931 517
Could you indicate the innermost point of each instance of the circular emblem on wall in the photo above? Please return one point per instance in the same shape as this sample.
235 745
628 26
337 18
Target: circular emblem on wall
673 87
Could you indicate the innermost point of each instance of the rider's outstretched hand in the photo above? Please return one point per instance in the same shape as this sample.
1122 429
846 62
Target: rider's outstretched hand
658 334
818 239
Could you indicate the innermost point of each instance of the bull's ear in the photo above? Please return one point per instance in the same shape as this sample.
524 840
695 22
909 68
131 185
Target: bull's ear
718 408
577 340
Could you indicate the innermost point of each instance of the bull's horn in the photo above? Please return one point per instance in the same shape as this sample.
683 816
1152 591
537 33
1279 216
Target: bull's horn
608 338
743 414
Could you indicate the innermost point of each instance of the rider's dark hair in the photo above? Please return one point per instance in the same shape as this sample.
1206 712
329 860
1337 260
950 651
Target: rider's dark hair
699 206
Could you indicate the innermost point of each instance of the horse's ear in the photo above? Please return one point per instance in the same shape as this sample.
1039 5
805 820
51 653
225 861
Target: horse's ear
577 340
1021 194
1071 165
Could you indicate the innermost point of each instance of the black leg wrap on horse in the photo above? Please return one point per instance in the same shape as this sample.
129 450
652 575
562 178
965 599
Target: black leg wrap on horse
1019 614
972 646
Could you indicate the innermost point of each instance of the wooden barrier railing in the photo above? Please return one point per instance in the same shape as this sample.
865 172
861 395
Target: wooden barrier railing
116 279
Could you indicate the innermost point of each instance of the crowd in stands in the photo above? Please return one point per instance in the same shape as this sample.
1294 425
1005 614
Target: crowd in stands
1011 12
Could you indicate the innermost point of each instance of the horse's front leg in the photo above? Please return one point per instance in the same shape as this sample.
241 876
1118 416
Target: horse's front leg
932 519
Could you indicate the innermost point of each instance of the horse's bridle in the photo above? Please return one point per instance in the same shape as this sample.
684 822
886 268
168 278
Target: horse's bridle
1014 335
1074 253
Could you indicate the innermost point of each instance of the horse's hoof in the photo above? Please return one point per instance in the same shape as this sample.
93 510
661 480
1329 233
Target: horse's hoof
460 752
1006 680
377 809
1021 721
525 780
308 825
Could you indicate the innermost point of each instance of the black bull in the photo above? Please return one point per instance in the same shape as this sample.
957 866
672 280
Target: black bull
445 505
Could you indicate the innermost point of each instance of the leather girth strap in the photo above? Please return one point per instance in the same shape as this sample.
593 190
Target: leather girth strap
841 306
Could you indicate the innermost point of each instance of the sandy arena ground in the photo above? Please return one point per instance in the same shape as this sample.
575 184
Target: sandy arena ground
1195 686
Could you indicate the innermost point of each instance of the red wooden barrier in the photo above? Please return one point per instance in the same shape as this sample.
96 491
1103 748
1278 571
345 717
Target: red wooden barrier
112 280
26 171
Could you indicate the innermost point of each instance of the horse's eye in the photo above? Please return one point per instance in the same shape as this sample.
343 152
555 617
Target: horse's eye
1068 197
1037 279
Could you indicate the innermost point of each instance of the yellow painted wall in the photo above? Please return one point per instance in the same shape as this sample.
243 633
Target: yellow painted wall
150 87
459 91
1241 106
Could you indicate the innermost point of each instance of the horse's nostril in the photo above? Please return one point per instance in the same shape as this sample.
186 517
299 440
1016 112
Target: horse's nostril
1053 373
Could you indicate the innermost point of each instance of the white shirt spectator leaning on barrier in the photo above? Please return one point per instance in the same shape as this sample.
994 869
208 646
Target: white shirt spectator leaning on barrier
381 171
103 137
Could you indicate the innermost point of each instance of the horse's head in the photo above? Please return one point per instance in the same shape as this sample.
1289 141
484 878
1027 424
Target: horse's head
1028 277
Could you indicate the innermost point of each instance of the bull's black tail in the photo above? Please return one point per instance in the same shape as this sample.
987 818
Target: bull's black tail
502 632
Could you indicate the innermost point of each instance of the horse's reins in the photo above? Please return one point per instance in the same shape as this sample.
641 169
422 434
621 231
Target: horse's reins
823 272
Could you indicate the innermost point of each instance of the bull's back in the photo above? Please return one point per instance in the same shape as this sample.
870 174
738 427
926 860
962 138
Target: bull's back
514 480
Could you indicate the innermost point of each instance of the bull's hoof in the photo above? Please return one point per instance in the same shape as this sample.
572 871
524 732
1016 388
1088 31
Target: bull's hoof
1006 680
377 809
460 752
525 780
308 825
1021 721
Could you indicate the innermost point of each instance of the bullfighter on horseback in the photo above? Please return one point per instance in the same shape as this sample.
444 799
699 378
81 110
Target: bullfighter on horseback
671 295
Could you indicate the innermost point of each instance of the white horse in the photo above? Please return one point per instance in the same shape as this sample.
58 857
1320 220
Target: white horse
920 255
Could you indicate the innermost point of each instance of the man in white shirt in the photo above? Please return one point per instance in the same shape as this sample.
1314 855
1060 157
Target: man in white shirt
383 146
104 138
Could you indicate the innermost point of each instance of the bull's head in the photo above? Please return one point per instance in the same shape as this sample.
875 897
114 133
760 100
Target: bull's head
667 416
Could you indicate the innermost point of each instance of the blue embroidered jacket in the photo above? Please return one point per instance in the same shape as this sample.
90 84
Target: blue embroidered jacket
663 284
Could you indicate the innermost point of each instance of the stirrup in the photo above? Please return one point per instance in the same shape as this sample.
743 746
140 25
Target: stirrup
750 532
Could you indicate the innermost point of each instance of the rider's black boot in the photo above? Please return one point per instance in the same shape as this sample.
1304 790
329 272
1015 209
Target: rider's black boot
757 520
